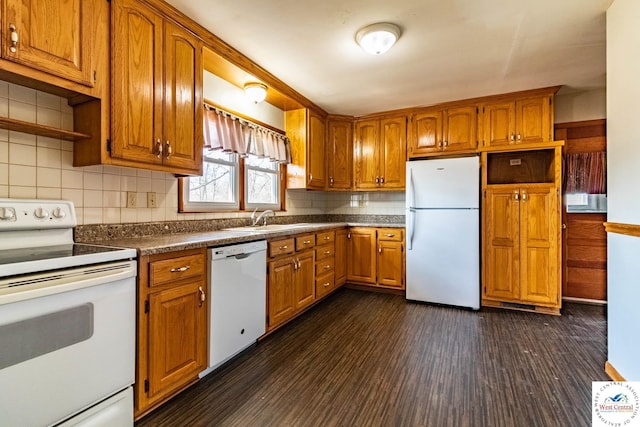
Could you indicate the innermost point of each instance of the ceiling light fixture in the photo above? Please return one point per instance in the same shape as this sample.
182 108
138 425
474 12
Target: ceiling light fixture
378 38
256 92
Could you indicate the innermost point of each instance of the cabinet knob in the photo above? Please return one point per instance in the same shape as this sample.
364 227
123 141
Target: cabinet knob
331 181
380 250
519 137
14 38
203 297
446 143
382 180
439 144
158 148
524 196
377 180
516 196
169 151
564 226
512 138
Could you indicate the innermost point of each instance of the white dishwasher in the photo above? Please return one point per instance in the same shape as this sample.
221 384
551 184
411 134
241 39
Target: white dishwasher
238 299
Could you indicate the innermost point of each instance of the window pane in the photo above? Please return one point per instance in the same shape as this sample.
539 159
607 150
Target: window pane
217 155
262 187
261 162
215 184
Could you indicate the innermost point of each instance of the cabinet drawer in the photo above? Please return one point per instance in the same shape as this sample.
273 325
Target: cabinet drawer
281 247
324 284
305 242
325 251
161 272
390 234
325 237
325 266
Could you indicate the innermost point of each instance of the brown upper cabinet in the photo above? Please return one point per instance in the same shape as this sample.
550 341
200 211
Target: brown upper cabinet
519 121
157 91
339 152
60 46
443 131
306 130
380 153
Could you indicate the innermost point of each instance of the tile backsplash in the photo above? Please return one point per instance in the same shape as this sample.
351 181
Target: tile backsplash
39 167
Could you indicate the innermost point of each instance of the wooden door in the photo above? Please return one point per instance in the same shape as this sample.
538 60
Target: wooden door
426 134
341 257
539 245
316 173
390 264
501 243
339 154
393 157
361 257
304 280
137 104
533 120
499 123
177 337
281 291
460 127
366 154
183 132
54 36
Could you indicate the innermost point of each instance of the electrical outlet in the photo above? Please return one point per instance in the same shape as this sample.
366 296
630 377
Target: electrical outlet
132 199
152 201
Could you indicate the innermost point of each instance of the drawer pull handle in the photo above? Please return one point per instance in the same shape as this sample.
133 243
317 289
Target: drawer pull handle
327 252
327 238
181 269
327 267
203 297
283 247
326 285
306 242
14 38
389 235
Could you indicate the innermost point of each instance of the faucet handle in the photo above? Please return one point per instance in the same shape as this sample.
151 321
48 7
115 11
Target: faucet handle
254 220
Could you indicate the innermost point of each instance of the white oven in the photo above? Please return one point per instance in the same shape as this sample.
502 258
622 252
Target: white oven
67 322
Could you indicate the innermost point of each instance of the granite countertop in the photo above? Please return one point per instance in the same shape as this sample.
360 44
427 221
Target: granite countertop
157 244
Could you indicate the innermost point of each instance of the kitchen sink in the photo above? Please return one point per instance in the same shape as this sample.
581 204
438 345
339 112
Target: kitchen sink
268 227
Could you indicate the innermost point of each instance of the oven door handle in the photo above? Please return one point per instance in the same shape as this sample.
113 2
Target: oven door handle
30 286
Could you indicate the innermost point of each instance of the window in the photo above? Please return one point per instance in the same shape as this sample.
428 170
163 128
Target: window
221 188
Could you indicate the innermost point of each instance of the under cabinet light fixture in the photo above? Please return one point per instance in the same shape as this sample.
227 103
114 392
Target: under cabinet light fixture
256 92
378 38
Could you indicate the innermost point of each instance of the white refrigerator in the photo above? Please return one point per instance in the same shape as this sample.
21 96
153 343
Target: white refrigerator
443 231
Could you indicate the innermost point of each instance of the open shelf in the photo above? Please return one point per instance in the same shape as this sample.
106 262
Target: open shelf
40 130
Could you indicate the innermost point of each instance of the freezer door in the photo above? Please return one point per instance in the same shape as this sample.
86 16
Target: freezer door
443 183
443 264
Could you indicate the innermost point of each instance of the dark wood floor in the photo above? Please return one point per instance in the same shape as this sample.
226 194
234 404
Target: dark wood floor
367 359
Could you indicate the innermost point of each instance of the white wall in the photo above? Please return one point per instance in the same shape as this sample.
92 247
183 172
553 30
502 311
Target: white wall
579 106
623 176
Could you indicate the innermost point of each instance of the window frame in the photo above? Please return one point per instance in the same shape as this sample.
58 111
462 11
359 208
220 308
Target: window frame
245 188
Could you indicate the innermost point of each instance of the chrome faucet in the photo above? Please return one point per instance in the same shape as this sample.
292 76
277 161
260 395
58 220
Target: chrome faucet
263 216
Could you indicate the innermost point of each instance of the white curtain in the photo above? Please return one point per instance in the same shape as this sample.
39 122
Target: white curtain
223 131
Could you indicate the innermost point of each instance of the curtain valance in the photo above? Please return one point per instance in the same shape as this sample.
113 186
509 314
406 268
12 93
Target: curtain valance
232 134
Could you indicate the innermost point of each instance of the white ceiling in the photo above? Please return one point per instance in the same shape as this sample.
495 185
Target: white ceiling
448 50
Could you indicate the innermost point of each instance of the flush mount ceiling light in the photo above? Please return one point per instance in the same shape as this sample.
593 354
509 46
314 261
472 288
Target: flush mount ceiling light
378 38
256 92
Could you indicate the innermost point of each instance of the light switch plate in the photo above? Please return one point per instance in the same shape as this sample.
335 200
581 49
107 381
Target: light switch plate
152 201
132 199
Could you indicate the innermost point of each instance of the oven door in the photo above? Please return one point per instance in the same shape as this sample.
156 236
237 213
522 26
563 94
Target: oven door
68 341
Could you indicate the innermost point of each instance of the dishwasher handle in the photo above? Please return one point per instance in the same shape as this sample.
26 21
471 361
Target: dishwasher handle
241 256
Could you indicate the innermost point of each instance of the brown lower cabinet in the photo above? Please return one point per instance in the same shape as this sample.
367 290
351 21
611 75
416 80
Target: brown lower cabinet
172 325
376 257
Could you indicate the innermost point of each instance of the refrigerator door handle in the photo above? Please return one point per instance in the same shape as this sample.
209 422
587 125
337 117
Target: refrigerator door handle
411 223
410 189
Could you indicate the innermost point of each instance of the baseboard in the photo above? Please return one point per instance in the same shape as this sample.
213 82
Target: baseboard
612 372
585 300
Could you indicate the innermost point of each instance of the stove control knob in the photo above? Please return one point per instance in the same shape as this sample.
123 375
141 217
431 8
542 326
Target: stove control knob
7 214
59 213
41 213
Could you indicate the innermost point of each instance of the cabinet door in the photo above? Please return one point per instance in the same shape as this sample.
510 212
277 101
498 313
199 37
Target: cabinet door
361 258
136 111
393 157
177 337
533 120
426 134
304 280
390 264
339 154
54 36
316 173
366 154
539 245
183 134
501 236
341 257
460 126
281 291
499 124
